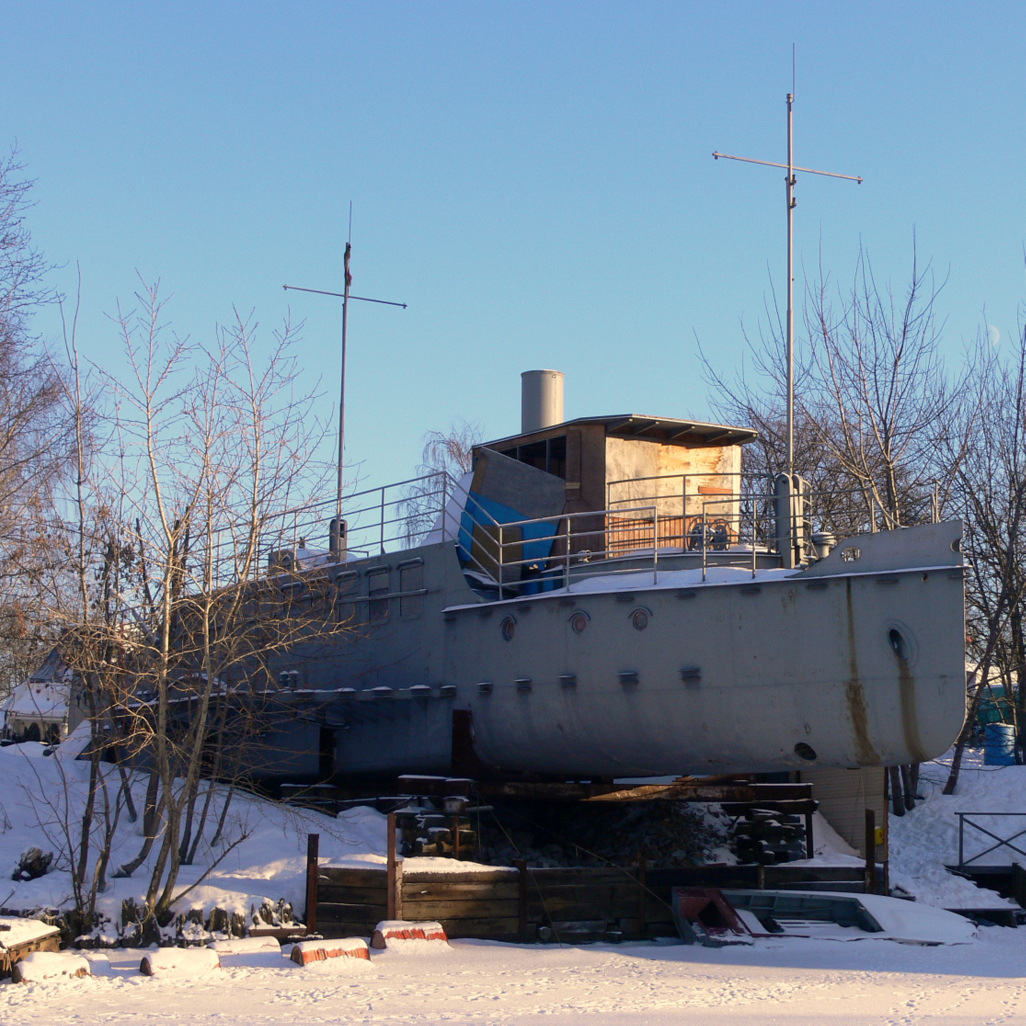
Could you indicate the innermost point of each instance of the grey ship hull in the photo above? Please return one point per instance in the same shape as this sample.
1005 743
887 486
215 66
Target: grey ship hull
847 662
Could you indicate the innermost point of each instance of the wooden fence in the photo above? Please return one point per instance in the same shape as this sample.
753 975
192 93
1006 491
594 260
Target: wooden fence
527 904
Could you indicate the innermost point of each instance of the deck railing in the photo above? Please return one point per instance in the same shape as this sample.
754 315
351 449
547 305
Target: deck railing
684 513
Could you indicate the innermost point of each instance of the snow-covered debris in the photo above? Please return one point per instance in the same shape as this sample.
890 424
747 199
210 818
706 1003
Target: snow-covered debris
306 952
245 945
390 933
179 961
16 931
913 923
44 965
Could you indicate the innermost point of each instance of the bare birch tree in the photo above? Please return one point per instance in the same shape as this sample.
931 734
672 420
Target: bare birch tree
177 627
36 438
989 469
445 457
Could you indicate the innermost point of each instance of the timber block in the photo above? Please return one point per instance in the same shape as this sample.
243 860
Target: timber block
395 930
306 952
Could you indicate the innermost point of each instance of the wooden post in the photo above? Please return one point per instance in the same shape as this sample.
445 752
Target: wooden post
871 851
810 847
390 873
399 890
312 843
642 897
1019 883
521 865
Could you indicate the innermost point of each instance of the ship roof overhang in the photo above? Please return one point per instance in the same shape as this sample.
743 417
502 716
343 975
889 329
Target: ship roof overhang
668 430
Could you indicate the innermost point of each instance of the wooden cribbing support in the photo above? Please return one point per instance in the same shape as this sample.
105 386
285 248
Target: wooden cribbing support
871 851
642 896
312 845
521 865
394 876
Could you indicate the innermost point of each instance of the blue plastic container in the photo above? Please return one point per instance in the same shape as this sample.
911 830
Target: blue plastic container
999 744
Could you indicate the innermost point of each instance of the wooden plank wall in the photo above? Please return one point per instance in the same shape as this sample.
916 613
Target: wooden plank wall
511 904
844 796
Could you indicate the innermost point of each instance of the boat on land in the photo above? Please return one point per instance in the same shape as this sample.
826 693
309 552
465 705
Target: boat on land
609 597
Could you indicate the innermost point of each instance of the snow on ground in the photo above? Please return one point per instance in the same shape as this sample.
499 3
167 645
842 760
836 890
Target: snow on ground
269 865
774 980
925 840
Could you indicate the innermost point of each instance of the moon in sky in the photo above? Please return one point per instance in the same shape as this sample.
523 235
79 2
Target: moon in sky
995 335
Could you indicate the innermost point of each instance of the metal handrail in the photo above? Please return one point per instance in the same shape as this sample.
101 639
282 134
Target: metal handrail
400 514
1002 842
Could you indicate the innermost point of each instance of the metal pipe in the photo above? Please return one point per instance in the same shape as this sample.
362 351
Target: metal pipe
790 285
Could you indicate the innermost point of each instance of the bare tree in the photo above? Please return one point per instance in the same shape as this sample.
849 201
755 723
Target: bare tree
988 464
873 411
872 400
36 438
182 608
446 457
878 391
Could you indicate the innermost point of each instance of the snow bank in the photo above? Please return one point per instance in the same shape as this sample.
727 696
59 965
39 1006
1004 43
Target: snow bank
245 945
45 965
268 866
925 840
179 961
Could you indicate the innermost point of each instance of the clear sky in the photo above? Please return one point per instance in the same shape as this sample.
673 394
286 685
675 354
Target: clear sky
534 179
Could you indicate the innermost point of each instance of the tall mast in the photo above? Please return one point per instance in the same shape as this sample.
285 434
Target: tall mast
345 296
790 181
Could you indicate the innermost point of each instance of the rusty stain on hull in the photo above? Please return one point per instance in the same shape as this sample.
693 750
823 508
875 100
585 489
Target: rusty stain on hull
856 695
909 718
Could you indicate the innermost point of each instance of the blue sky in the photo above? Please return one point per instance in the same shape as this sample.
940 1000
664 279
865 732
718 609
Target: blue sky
534 179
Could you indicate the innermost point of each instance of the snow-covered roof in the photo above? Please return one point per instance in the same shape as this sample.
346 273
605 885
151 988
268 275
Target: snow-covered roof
46 699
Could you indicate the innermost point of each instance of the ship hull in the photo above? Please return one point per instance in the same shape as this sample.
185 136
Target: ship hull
848 662
847 670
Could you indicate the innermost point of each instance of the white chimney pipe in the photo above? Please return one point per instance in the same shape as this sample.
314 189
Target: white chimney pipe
541 400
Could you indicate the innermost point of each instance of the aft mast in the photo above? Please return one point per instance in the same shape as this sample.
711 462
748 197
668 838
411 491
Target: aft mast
791 181
337 524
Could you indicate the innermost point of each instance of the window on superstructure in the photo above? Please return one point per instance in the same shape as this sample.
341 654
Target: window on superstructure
377 594
346 596
411 589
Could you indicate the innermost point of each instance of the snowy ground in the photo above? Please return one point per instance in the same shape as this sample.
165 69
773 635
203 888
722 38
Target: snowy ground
791 982
773 980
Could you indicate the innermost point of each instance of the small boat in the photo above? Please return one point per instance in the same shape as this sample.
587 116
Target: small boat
612 597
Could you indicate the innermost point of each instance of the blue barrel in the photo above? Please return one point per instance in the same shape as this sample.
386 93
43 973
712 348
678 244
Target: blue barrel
999 744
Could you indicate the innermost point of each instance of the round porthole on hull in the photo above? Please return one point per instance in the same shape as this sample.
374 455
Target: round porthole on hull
902 642
579 620
805 752
639 619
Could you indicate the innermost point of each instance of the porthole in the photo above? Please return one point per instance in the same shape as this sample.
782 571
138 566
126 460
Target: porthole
805 752
579 621
902 643
639 619
508 627
850 554
897 640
